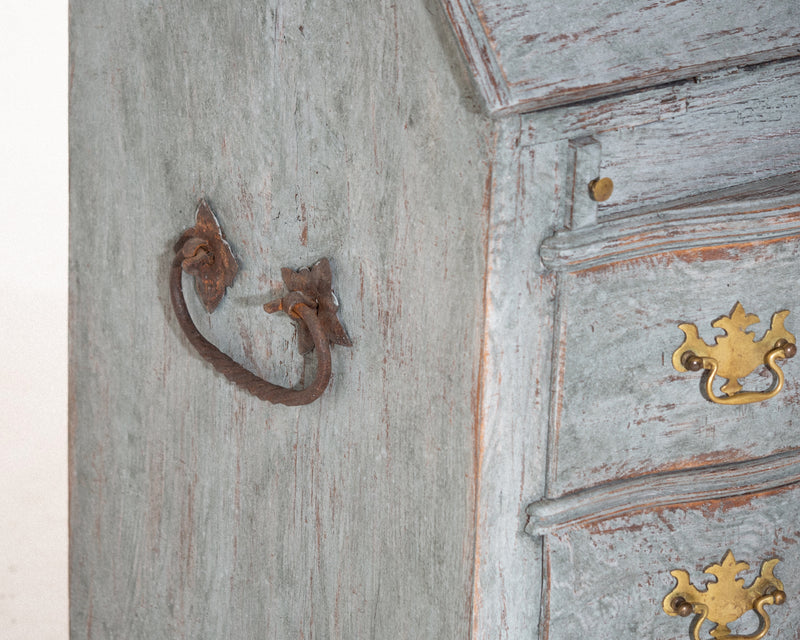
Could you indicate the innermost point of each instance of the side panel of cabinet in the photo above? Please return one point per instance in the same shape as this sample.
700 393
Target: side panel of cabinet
198 511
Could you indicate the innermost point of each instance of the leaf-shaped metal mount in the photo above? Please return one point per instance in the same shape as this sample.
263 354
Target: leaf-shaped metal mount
736 355
726 599
203 252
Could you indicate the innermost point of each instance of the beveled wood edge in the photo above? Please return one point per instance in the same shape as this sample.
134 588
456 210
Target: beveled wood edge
675 227
653 104
621 497
479 53
528 97
503 97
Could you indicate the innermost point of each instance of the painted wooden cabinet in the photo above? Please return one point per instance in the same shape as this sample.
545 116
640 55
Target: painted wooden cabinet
506 451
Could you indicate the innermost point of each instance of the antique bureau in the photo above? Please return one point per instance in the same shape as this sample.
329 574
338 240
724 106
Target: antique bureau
628 472
509 449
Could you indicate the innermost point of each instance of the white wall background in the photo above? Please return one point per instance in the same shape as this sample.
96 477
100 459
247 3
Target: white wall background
33 320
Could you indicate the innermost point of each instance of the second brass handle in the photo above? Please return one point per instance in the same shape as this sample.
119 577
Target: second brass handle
736 355
726 599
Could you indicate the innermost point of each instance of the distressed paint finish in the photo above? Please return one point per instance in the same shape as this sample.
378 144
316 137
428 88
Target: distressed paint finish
577 385
528 184
622 409
314 129
757 212
597 48
655 144
395 505
671 489
608 579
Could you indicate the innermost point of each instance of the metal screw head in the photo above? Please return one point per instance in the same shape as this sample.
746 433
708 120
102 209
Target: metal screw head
600 189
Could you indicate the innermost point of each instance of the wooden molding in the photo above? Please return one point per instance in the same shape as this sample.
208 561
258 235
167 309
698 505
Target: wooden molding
479 53
750 213
526 57
621 497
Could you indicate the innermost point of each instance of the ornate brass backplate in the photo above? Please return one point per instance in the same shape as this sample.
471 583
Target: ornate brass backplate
736 355
727 599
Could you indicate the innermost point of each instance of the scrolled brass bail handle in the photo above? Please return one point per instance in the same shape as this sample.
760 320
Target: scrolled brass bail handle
726 600
736 355
203 252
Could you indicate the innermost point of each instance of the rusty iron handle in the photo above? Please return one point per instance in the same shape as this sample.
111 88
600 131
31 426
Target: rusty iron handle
203 252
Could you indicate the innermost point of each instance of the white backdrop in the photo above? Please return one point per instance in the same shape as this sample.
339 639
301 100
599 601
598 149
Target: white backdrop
33 320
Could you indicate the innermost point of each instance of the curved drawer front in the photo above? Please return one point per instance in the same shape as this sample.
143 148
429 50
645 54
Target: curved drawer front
608 579
621 410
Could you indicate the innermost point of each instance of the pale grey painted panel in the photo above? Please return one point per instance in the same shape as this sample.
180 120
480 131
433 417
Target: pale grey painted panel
528 189
608 580
737 131
756 212
315 129
631 495
623 410
528 55
660 145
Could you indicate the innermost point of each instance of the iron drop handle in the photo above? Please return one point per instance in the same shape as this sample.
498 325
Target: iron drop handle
203 252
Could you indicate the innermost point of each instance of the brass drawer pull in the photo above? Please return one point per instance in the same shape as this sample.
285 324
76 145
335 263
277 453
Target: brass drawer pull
736 355
203 252
726 600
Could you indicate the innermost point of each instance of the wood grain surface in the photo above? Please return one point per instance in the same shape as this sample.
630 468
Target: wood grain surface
622 409
618 498
609 579
757 212
314 129
528 55
578 389
484 376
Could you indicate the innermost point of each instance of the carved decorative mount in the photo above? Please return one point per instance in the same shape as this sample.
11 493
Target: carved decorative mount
736 355
726 600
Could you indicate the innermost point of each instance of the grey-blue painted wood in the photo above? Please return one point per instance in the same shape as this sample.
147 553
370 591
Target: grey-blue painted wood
511 337
314 129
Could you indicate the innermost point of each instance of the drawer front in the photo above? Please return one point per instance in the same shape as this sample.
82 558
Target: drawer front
608 579
621 408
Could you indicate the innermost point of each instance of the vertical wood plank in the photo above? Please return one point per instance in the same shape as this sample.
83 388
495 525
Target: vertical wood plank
528 187
314 129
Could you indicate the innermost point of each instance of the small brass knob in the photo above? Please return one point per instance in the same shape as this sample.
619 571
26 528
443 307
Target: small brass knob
692 362
682 608
600 189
